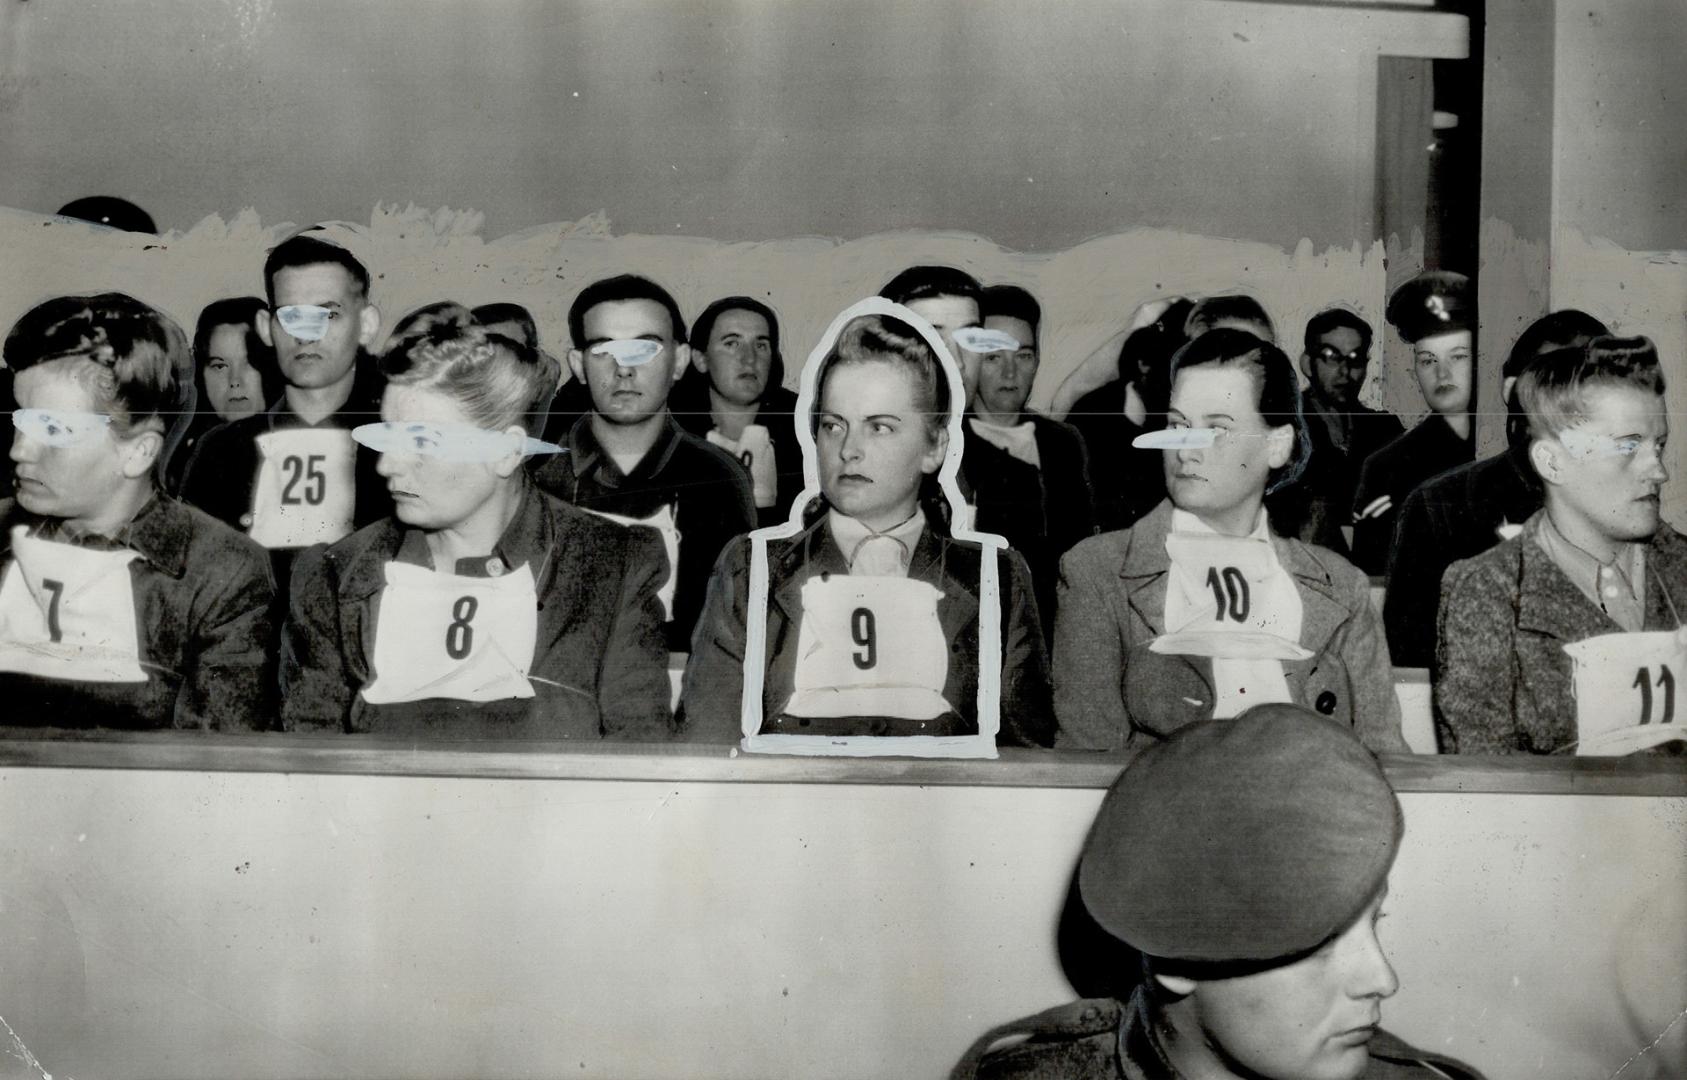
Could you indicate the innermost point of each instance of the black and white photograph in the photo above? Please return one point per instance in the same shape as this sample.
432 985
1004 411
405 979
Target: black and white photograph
739 539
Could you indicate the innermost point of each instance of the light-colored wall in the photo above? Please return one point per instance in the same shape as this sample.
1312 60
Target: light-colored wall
1619 244
227 925
1036 126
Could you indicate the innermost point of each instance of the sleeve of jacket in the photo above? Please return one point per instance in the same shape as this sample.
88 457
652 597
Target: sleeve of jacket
1364 652
1372 535
1414 585
230 684
1473 663
1027 711
316 691
1089 654
711 698
633 677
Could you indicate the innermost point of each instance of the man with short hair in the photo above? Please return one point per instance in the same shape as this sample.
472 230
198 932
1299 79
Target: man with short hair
1343 430
628 460
291 476
1467 510
1570 633
948 299
1252 897
1029 474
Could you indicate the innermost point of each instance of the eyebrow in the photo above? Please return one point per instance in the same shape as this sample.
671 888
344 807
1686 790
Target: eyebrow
658 338
1219 416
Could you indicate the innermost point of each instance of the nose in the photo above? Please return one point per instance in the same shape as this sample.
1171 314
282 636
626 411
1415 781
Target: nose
1373 975
388 465
1188 455
1656 471
849 447
24 449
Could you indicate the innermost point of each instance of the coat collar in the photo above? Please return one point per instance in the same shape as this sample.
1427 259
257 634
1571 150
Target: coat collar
587 457
813 551
161 533
1548 602
1147 567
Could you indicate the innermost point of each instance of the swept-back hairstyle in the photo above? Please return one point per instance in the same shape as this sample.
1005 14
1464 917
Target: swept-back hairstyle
1209 312
505 312
1552 391
1552 331
1338 318
497 381
242 312
614 290
1274 377
307 250
1012 302
925 282
885 339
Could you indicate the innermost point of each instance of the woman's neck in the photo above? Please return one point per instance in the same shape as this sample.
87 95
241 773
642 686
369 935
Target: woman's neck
123 506
1238 520
1459 422
730 417
477 535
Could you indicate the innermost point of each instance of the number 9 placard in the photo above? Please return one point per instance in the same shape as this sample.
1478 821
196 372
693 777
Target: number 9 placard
844 668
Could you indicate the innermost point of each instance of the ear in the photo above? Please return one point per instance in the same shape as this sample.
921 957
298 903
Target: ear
368 325
262 325
699 359
577 364
1306 366
1176 984
141 454
1545 460
1507 385
1280 445
682 360
505 466
933 460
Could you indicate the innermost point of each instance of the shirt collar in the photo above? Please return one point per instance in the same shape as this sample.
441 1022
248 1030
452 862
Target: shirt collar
587 455
850 533
1628 566
525 539
159 532
1185 522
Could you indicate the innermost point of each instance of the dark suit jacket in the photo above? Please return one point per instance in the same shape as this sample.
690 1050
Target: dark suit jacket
708 487
1111 692
203 612
1503 683
776 413
1317 505
1453 516
714 676
1429 449
599 663
1041 512
1128 482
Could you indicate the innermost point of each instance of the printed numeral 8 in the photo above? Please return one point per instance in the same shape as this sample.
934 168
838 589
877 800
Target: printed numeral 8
459 636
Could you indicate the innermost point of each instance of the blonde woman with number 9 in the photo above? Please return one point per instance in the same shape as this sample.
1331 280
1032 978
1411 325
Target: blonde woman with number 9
481 606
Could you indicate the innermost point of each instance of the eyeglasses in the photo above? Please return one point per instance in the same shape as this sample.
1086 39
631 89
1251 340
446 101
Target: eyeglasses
1356 358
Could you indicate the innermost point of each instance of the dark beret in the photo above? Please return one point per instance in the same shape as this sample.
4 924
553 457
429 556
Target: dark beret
1434 302
1251 839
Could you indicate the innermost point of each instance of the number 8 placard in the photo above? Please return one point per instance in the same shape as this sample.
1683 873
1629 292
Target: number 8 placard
1626 688
449 636
870 646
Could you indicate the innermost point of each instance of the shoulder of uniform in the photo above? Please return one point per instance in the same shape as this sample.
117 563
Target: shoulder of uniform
1405 1060
1076 1039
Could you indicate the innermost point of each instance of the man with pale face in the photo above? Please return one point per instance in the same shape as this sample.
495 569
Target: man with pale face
290 476
629 460
1570 631
1261 958
1435 313
948 299
735 398
1029 474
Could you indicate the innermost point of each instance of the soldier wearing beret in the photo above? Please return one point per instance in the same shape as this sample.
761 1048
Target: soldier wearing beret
1253 899
1435 313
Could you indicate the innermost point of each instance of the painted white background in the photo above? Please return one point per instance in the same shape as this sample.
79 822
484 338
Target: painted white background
233 925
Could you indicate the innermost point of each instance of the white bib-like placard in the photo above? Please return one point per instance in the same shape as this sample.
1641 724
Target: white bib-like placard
307 487
1626 688
663 521
870 646
1229 598
68 612
755 449
450 636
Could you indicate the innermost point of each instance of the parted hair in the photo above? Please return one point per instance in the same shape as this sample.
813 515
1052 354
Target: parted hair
622 287
1210 311
143 368
497 381
1012 302
1273 375
242 312
1552 391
